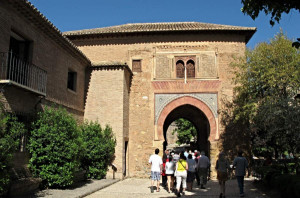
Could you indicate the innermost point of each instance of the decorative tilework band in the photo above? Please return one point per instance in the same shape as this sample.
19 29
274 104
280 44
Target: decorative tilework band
161 100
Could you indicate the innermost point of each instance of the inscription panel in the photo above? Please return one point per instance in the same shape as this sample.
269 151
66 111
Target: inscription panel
163 69
207 66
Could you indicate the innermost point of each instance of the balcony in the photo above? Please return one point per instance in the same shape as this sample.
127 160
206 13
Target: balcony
23 74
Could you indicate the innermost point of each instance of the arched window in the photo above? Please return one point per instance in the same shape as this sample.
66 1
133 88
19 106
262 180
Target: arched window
190 69
179 69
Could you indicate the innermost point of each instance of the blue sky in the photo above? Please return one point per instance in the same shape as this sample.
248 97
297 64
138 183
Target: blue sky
69 15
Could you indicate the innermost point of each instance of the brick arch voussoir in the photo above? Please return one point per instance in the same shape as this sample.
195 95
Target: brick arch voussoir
183 101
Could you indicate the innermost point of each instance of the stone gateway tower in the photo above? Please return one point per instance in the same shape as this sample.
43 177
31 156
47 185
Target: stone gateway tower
145 76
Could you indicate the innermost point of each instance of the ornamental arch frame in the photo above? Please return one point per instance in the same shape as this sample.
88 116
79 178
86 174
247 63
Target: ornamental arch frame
187 100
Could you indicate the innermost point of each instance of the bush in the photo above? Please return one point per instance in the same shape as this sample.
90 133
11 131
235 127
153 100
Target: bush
54 148
99 146
288 185
10 129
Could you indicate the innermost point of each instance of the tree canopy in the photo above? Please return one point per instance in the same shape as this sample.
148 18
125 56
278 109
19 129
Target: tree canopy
264 109
273 7
186 131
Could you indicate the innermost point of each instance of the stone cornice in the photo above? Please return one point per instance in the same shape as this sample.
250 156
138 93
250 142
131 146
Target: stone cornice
111 67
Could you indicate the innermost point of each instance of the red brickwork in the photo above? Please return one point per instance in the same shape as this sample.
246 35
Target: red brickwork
204 86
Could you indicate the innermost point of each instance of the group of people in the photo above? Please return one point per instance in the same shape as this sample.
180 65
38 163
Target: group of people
181 169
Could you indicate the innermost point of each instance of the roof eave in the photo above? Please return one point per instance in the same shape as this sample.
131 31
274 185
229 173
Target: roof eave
111 66
32 14
247 32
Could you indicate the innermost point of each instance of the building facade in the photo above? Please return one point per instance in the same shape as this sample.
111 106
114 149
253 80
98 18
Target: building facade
38 65
138 78
180 70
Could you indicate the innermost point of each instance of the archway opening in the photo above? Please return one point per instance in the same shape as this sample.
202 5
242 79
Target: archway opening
197 118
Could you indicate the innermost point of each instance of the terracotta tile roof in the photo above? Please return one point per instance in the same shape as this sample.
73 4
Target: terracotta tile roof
32 14
159 27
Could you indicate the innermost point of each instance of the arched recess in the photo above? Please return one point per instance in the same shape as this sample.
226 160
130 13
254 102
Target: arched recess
179 69
190 69
186 100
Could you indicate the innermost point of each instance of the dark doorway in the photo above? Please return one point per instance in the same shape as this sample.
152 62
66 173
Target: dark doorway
197 118
125 161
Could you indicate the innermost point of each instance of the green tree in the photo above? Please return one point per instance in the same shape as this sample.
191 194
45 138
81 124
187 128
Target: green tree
270 70
277 126
263 108
273 7
54 147
185 130
10 130
99 149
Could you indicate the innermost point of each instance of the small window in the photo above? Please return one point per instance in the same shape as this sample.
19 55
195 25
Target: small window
72 80
190 69
180 69
185 66
137 65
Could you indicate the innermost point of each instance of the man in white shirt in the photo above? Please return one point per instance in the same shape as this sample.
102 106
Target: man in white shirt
203 167
156 168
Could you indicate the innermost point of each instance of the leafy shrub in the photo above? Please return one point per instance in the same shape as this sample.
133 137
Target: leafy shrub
10 129
99 145
287 185
54 147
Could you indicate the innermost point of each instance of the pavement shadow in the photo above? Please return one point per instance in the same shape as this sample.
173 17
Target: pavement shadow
212 190
47 192
196 192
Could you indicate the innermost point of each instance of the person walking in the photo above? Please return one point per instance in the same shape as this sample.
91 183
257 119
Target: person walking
203 167
181 173
190 172
163 172
170 166
241 164
156 168
165 160
186 153
197 156
176 157
222 167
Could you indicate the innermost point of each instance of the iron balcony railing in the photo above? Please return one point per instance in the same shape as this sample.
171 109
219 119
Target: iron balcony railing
22 73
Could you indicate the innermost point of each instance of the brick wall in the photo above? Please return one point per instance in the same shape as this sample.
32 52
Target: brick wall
48 55
107 103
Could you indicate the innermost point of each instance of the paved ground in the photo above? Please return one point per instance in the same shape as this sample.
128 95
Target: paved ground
141 188
79 190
